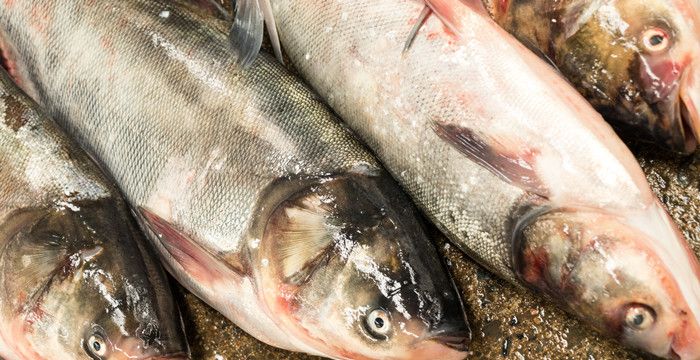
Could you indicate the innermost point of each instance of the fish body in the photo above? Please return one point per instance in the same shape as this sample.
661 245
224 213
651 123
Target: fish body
76 280
637 62
256 197
505 157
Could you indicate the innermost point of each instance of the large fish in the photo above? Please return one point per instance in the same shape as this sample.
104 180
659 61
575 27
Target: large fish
509 161
257 198
636 61
75 279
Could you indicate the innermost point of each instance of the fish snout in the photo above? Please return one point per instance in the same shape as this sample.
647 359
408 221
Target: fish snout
686 342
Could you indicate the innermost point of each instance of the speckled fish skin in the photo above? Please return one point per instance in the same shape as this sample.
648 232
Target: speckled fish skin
506 158
256 197
637 62
75 279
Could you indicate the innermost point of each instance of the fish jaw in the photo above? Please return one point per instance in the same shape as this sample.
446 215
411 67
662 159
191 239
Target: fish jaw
630 277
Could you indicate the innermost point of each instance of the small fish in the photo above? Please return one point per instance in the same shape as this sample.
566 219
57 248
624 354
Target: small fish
76 281
636 61
510 162
255 196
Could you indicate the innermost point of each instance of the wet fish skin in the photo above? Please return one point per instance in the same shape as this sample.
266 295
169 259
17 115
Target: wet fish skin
74 272
604 48
256 197
505 157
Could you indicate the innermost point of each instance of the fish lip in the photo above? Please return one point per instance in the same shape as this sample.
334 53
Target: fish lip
457 340
689 121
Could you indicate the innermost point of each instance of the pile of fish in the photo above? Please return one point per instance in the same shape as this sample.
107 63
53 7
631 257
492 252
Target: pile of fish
299 225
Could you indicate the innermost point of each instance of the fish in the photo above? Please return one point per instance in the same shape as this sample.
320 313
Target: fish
506 158
256 197
636 62
77 280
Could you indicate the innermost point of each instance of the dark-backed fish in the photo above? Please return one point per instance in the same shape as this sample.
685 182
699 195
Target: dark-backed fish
257 198
76 281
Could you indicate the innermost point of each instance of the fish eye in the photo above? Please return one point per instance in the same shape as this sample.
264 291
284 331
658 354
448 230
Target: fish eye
378 324
97 346
656 40
639 317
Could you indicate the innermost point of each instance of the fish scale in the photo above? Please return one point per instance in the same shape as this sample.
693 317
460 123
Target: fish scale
72 266
254 194
508 160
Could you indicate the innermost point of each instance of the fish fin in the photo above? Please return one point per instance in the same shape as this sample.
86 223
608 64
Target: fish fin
304 238
247 31
38 256
574 14
414 31
193 258
246 34
515 167
449 11
271 25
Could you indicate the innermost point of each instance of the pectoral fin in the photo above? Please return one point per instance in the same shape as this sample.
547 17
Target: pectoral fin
516 166
303 237
196 261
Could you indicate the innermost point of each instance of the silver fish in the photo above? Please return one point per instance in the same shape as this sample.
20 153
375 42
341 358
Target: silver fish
505 157
256 197
75 279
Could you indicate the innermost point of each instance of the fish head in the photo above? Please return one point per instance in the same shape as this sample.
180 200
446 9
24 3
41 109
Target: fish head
618 278
637 62
350 270
83 288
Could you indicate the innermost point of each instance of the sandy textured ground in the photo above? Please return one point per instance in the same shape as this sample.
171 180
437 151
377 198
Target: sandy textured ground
508 322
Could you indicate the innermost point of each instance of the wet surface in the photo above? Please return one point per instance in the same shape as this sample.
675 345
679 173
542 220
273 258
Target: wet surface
507 322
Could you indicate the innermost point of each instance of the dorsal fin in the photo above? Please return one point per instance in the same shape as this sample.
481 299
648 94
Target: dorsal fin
246 34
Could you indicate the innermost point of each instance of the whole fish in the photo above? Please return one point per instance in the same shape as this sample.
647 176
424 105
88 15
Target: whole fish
637 62
75 279
506 158
258 200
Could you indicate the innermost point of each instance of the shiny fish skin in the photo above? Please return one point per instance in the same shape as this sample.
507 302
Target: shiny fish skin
506 158
257 199
73 271
637 62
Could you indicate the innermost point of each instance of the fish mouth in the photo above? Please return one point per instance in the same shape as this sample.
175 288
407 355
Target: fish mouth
688 119
456 340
